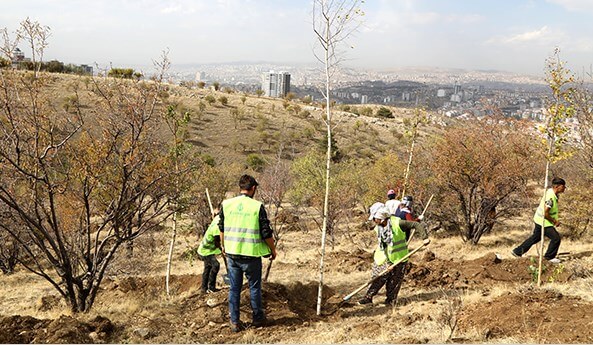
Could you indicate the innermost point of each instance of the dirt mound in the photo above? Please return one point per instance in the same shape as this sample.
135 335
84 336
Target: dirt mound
301 299
64 330
479 272
346 262
538 316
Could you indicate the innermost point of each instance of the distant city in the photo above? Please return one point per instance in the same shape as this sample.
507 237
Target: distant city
451 92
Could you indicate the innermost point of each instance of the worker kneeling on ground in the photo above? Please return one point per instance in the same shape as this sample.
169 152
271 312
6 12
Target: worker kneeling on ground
391 247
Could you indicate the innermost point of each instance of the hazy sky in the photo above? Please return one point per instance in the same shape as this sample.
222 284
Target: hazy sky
511 35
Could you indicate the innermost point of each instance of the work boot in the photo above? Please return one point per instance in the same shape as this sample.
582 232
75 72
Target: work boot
515 254
365 300
211 290
555 261
260 323
237 327
389 302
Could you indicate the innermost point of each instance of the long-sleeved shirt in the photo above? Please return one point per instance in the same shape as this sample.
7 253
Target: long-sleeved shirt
406 225
264 223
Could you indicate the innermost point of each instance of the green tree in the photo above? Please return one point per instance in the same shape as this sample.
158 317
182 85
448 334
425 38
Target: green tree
384 112
255 162
210 99
224 100
259 92
216 86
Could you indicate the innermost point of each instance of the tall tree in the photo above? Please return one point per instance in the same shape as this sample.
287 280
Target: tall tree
560 107
83 180
333 22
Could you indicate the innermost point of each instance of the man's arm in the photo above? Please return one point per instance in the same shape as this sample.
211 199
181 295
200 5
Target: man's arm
266 231
547 216
221 228
408 226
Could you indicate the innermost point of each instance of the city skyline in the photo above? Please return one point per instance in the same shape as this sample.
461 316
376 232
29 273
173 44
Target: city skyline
505 35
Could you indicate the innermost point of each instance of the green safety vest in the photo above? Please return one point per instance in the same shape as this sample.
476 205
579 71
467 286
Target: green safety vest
241 227
539 213
398 247
207 246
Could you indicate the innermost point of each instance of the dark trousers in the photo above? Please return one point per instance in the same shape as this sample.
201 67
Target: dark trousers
550 232
392 281
211 268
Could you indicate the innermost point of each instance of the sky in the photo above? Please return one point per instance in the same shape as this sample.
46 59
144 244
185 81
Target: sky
506 35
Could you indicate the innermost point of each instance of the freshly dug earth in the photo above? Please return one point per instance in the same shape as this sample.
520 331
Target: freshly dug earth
431 272
535 316
64 330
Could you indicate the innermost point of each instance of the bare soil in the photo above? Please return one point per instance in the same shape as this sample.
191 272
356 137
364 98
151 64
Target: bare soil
474 297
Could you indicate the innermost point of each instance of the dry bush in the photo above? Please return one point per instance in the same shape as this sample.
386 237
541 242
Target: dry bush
479 172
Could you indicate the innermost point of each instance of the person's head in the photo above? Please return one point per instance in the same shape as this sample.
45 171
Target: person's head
558 185
407 201
379 214
391 194
248 184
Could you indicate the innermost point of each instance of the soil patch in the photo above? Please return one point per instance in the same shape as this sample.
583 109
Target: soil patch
538 316
488 269
64 330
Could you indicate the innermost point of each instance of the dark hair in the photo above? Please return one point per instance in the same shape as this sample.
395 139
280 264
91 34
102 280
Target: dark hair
246 182
391 196
558 181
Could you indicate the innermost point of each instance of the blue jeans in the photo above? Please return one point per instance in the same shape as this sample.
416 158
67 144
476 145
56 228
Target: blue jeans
252 269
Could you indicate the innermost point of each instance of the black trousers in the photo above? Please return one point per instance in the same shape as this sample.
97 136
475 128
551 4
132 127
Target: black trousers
211 268
392 281
550 232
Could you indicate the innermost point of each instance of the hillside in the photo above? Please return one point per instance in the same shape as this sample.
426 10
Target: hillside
453 291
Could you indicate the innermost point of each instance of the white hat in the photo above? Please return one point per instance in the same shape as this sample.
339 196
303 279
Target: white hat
379 211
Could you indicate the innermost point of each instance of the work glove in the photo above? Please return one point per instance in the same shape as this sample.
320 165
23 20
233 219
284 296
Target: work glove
426 241
420 217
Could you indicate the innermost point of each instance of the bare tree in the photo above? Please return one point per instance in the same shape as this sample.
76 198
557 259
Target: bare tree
333 22
83 179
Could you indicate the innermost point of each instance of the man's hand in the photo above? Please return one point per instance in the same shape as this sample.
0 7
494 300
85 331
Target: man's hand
556 222
426 241
274 254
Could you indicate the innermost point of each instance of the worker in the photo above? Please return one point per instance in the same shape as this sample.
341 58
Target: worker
391 247
405 212
392 203
246 237
546 214
207 251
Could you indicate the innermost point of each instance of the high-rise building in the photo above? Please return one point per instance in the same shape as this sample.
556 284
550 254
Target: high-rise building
276 84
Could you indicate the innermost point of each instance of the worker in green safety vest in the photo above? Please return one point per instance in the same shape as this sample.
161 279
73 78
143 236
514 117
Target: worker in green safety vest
391 247
246 237
210 246
546 215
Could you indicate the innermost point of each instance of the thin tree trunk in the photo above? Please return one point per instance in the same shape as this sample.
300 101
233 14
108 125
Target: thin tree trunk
407 173
327 174
541 242
174 231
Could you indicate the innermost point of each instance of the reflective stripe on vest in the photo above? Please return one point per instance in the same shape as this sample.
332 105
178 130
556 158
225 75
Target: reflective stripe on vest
241 227
398 248
538 217
207 246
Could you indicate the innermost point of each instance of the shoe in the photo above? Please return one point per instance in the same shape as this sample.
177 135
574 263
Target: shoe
237 327
389 302
212 290
515 254
365 300
555 261
260 323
